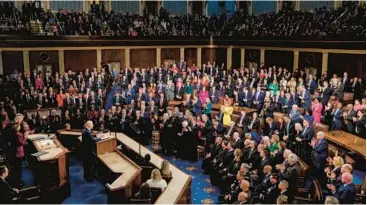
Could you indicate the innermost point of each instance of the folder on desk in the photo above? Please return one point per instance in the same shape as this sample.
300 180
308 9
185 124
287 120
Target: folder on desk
37 138
40 153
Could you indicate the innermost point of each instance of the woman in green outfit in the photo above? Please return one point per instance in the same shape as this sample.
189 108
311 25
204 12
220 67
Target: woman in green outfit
273 87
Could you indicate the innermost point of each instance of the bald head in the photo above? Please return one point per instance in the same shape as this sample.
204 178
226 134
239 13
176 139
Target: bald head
347 178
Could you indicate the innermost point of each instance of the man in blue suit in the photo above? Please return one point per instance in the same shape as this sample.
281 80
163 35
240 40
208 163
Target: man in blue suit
320 153
258 98
327 91
243 97
287 103
337 123
311 85
346 193
213 94
305 98
130 94
294 114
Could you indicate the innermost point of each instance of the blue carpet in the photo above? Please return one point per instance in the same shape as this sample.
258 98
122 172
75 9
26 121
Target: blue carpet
201 190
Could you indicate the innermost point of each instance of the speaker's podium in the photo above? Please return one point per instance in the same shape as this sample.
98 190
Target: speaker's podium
120 174
50 168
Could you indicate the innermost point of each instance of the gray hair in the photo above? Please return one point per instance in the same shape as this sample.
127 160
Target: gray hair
292 158
331 200
320 133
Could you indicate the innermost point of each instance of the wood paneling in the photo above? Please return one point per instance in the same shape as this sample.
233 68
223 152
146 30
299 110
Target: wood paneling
170 54
80 60
190 56
252 56
236 58
310 60
353 64
279 58
12 60
142 58
36 59
117 55
219 55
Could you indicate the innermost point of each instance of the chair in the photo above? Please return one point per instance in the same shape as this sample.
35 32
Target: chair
313 195
201 148
156 192
167 179
360 197
146 172
140 201
30 195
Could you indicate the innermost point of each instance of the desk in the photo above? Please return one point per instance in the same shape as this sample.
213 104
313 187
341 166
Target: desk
352 142
51 171
122 175
179 188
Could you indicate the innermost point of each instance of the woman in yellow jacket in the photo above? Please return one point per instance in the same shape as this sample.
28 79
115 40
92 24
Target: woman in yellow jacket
227 111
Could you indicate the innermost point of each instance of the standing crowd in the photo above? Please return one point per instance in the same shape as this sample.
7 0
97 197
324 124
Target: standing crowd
252 159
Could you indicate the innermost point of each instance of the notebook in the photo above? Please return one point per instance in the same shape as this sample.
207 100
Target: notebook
40 153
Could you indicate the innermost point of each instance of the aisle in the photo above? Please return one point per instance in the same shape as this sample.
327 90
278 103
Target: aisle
202 192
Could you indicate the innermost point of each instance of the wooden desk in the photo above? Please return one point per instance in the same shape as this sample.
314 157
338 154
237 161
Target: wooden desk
179 188
352 142
128 173
103 146
51 171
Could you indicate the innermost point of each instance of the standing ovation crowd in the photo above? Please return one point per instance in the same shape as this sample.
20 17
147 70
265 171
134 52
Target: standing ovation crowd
256 163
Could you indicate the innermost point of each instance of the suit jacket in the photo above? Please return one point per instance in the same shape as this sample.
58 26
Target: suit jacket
6 192
338 119
306 135
361 126
290 174
320 152
179 92
346 194
349 120
88 142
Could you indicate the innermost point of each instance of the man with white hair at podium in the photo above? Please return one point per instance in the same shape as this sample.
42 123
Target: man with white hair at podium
88 147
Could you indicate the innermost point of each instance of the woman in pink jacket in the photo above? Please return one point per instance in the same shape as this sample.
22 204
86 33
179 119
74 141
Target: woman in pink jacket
203 95
316 110
39 82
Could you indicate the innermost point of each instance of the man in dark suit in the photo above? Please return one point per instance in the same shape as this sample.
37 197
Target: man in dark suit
348 115
214 151
337 123
269 195
238 141
360 123
305 98
356 88
258 99
7 194
346 193
305 138
88 146
243 122
290 174
327 91
283 190
207 130
319 153
288 134
117 99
